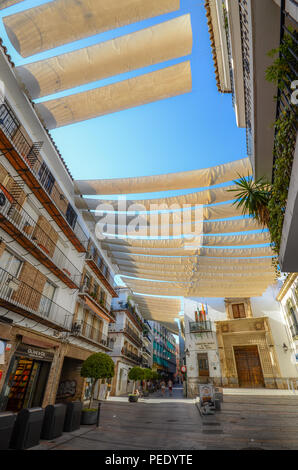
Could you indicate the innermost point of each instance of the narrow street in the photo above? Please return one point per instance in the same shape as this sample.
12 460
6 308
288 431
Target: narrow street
160 423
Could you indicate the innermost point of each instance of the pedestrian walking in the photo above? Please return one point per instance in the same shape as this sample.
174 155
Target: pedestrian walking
170 387
163 387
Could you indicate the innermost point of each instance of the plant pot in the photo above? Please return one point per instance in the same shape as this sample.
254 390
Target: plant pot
133 398
89 417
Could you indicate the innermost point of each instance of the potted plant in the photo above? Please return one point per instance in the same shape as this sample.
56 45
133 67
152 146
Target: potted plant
136 373
97 366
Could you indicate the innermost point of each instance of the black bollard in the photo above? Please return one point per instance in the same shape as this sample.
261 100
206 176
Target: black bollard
98 415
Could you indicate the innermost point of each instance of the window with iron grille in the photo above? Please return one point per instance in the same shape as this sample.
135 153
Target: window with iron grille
71 216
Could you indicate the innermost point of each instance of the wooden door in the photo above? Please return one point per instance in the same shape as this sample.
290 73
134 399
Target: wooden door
248 365
203 365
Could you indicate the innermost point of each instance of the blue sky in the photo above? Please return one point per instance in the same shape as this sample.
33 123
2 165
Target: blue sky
191 131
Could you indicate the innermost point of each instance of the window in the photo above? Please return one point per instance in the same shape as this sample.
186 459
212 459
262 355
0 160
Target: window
71 216
46 178
10 263
8 120
292 317
238 311
47 298
86 283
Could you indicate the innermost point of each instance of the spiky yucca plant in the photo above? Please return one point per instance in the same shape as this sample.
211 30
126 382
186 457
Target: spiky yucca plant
253 198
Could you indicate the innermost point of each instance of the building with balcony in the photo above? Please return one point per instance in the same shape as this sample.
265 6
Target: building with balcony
288 298
55 292
147 346
127 335
238 342
164 350
242 34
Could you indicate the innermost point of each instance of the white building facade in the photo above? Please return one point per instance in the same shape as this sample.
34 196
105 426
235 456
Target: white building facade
238 343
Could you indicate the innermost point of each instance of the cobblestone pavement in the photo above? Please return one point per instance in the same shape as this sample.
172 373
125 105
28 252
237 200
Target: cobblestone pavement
157 423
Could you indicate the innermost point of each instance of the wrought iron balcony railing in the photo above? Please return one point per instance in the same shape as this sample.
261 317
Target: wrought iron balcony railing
129 331
21 298
19 224
96 262
88 331
94 297
131 355
200 326
33 163
131 310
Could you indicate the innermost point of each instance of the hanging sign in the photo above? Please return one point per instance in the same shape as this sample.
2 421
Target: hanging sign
183 369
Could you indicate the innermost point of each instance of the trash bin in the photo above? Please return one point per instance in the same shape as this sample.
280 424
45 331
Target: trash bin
73 416
53 422
7 420
27 428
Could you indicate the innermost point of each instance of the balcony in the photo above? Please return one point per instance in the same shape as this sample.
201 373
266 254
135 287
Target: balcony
294 329
92 300
95 262
19 297
132 356
146 351
92 334
20 226
128 331
200 327
131 313
25 157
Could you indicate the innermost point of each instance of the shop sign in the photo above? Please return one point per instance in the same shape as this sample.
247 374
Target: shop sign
206 393
34 352
2 352
1 373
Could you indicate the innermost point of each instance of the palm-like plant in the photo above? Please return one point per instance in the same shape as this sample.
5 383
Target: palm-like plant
253 197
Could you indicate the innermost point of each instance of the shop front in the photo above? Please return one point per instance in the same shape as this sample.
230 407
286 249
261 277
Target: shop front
26 379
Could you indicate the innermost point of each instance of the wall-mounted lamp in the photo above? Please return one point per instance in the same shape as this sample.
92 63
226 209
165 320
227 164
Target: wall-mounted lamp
285 347
187 352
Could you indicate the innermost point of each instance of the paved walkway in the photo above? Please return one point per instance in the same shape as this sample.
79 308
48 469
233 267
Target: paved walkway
157 423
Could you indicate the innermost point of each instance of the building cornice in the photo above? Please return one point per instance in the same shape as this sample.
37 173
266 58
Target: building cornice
286 286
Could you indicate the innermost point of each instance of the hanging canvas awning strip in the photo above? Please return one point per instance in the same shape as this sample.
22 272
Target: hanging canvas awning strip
159 43
217 240
137 91
171 181
201 252
62 21
207 196
8 3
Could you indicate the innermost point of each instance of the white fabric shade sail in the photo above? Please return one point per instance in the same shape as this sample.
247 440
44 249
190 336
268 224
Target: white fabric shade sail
160 309
159 43
220 240
171 181
143 89
8 3
62 21
207 196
